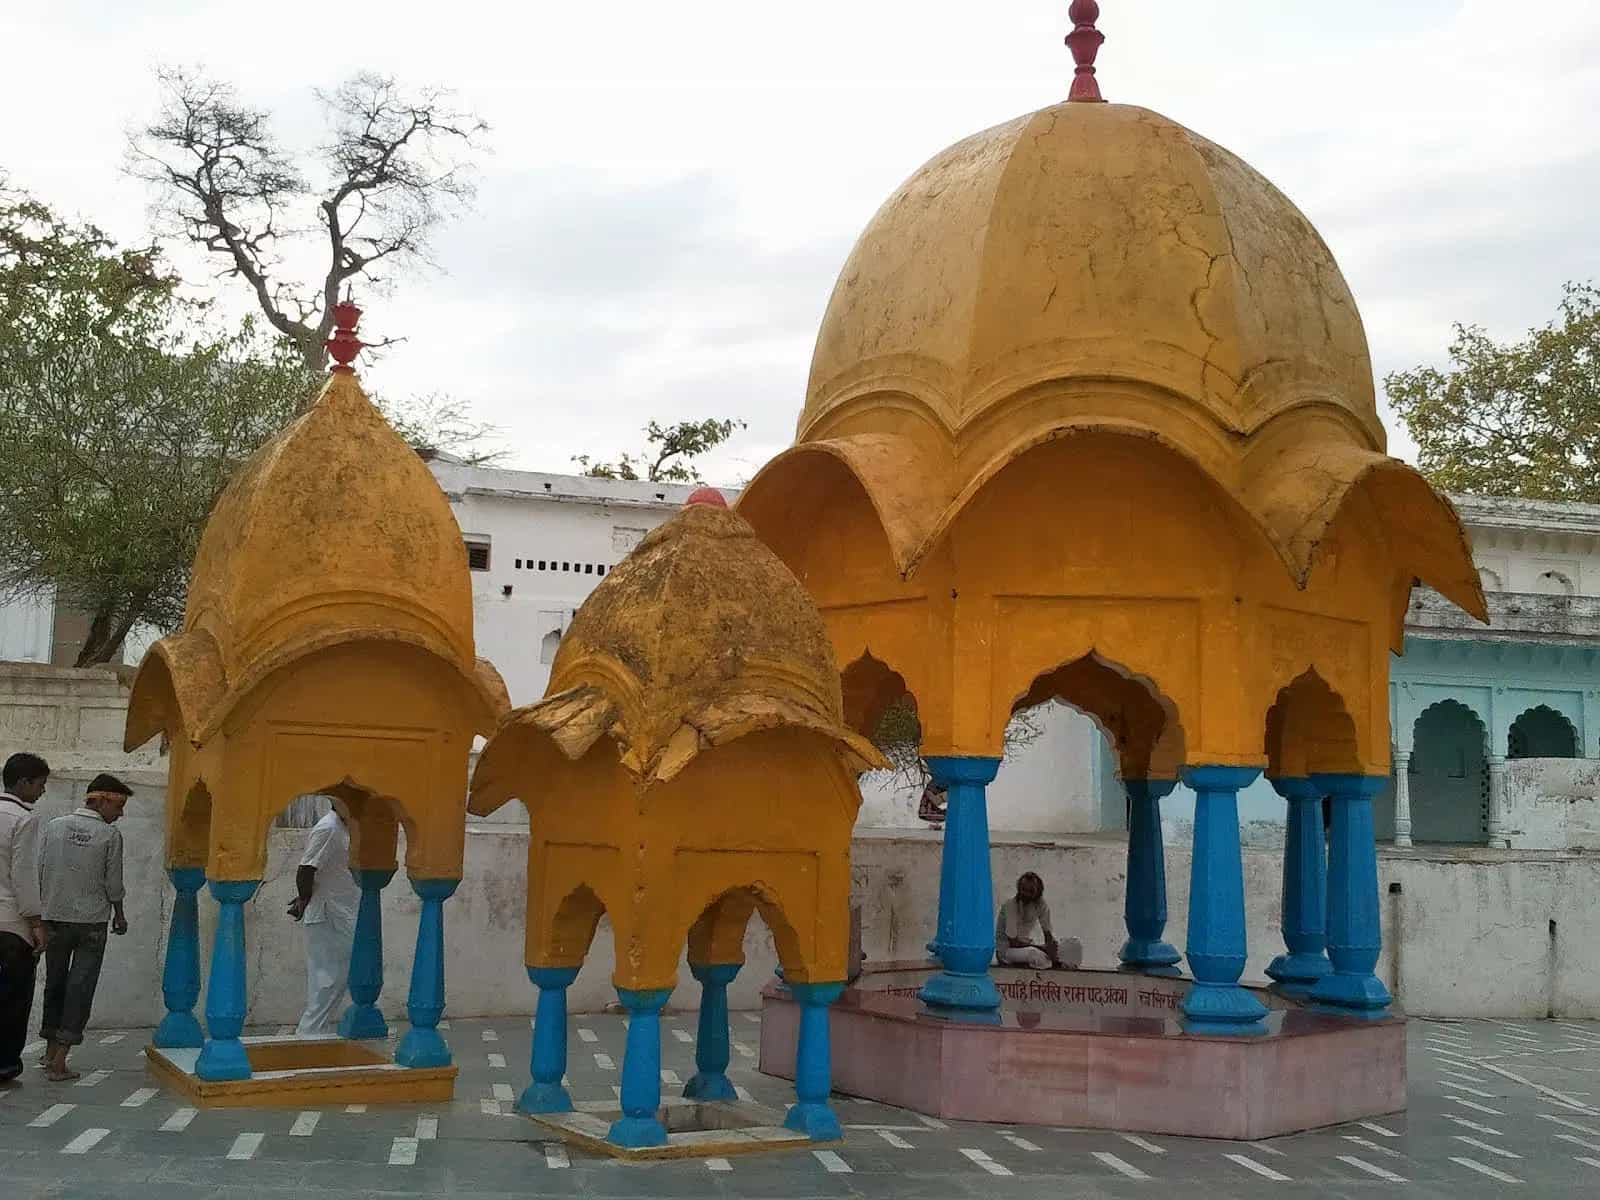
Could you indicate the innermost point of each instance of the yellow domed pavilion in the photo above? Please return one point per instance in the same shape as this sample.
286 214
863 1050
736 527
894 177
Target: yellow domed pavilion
1091 416
689 765
327 647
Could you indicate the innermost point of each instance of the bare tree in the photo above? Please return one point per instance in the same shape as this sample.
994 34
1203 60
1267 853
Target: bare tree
397 163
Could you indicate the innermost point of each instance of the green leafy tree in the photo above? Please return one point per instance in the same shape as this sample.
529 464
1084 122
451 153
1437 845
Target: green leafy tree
1512 419
397 164
669 455
124 412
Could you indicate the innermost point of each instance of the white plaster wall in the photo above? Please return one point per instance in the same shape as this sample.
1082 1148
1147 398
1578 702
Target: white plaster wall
1553 802
1521 561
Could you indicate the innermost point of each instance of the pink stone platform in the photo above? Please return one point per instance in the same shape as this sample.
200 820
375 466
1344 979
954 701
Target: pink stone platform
1098 1050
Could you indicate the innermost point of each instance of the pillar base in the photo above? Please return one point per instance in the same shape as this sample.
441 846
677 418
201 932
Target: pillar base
222 1060
1222 1008
1364 993
1297 974
634 1132
1141 953
544 1098
423 1048
363 1023
950 989
817 1121
709 1085
179 1030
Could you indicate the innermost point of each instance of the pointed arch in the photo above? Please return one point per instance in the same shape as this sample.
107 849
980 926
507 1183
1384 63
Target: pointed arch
1138 719
1309 731
1543 732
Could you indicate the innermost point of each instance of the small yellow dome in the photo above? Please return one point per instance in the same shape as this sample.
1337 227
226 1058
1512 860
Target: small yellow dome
1093 241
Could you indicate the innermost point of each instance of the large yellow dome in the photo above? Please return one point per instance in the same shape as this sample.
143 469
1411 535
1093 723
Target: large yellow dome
1094 241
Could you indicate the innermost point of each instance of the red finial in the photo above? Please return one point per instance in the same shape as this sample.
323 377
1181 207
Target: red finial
708 496
1084 42
344 345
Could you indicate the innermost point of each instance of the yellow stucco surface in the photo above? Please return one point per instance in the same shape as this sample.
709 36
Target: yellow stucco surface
1091 416
327 646
688 766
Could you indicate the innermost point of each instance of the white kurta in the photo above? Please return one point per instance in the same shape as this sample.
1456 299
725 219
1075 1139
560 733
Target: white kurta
330 924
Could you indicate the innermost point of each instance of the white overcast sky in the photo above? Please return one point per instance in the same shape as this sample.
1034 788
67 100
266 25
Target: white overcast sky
674 187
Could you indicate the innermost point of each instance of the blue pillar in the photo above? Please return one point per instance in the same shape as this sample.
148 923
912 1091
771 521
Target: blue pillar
813 1064
423 1046
1354 934
1144 903
966 889
1305 890
1216 950
548 1062
362 1020
223 1057
640 1123
180 974
710 1080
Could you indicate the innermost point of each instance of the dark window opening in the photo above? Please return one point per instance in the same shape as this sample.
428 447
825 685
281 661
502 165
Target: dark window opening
519 564
588 568
478 556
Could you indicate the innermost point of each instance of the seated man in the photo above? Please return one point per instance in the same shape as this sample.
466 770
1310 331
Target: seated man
1022 933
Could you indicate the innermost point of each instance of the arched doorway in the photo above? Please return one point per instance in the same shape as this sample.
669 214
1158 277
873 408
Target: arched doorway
1542 732
1449 776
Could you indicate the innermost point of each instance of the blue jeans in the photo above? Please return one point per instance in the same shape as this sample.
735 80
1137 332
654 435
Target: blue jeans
72 961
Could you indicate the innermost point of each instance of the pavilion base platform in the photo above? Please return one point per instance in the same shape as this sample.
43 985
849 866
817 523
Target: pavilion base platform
290 1072
1098 1050
695 1129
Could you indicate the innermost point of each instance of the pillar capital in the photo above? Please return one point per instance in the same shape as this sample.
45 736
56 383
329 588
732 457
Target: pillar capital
434 889
950 770
1350 787
1149 789
822 994
188 880
644 1000
1297 787
374 878
552 977
1219 779
232 891
716 974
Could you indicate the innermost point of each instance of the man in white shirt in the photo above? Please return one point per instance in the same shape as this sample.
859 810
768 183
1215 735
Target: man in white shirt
22 933
1017 928
326 902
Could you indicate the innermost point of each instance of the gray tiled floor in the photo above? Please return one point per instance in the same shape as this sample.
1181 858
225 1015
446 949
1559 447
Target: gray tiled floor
1496 1107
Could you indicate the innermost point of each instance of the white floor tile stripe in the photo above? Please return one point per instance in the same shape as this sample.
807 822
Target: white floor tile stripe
670 1078
1476 1107
498 1061
1369 1144
179 1120
1374 1127
85 1141
604 1062
305 1124
140 1098
490 1035
1482 1145
504 1091
1134 1140
1474 1165
753 1018
50 1116
683 1035
894 1139
1362 1164
1588 1162
94 1079
355 1108
1021 1143
403 1152
743 1051
587 1035
555 1157
427 1128
1121 1166
1263 1148
489 1108
1462 1075
932 1122
984 1161
743 1094
1471 1091
718 1164
831 1162
1260 1169
112 1039
1578 1141
1589 1129
444 1025
245 1146
1466 1124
